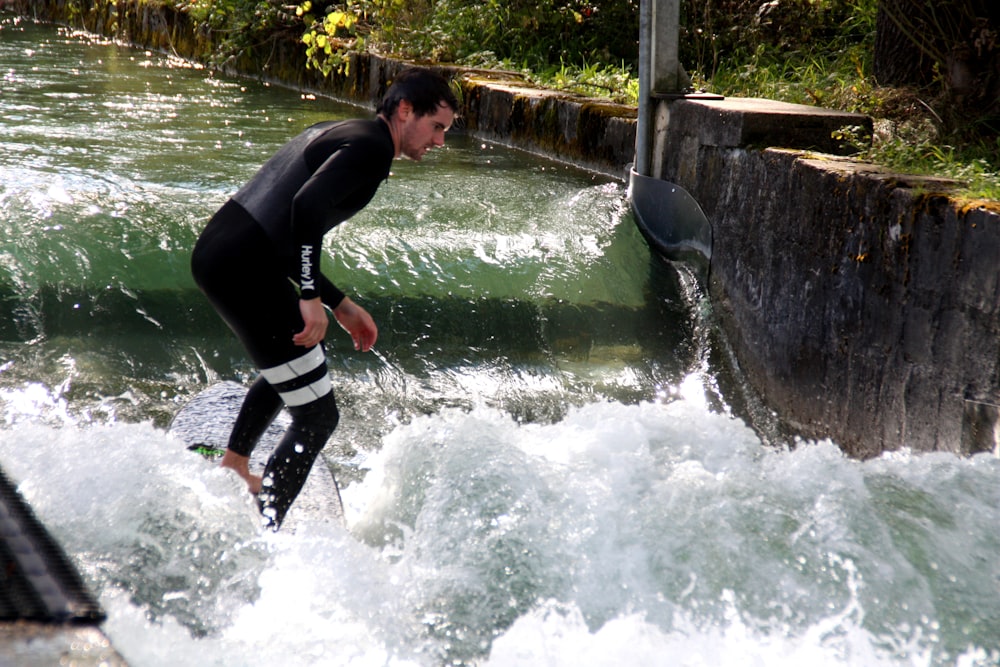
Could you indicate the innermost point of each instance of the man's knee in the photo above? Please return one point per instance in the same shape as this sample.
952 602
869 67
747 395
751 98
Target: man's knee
319 416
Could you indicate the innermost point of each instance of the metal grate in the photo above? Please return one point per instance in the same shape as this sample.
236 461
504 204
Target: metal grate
37 580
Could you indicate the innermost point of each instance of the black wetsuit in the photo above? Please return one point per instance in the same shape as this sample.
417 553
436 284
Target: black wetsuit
258 256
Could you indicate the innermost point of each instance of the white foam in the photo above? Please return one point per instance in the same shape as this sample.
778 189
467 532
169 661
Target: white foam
619 535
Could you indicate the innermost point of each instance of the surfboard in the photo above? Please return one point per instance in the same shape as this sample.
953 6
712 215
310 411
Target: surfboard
203 424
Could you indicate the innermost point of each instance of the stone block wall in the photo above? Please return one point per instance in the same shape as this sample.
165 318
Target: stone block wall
862 305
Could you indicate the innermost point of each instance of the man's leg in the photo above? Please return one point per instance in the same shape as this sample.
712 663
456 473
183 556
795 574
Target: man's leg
261 405
305 388
293 458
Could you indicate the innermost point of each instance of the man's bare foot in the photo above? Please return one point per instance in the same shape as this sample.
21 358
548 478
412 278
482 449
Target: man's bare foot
241 466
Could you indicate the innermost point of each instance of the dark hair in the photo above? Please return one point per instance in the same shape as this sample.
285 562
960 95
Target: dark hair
424 89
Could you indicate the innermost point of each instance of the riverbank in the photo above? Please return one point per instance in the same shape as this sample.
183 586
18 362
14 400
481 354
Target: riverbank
499 107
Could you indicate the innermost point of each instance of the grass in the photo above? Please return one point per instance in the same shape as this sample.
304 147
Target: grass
618 84
909 136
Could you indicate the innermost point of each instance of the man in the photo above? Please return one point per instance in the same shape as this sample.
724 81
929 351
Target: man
258 262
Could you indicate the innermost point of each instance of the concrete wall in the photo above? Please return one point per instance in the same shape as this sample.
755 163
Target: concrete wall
860 305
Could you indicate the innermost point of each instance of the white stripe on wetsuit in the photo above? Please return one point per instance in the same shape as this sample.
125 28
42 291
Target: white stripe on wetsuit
296 368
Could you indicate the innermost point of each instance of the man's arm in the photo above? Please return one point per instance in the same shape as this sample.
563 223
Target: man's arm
353 318
344 182
316 320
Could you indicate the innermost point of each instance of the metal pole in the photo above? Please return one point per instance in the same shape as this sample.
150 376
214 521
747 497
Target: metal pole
667 77
643 124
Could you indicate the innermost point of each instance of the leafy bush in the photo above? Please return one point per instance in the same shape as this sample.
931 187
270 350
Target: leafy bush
535 34
331 32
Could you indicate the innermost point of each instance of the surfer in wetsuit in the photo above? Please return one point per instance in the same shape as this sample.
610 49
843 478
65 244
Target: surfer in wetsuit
258 262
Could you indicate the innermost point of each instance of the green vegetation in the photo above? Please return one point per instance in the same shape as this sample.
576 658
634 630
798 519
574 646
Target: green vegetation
819 52
585 47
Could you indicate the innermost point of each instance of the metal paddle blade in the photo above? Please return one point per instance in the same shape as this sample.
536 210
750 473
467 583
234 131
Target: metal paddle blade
670 218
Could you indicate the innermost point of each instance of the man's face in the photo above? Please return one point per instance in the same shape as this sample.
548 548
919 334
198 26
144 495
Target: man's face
419 134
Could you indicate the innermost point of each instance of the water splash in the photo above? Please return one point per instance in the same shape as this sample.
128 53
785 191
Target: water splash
646 530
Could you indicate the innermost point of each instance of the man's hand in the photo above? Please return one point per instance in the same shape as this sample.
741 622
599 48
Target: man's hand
316 320
356 321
